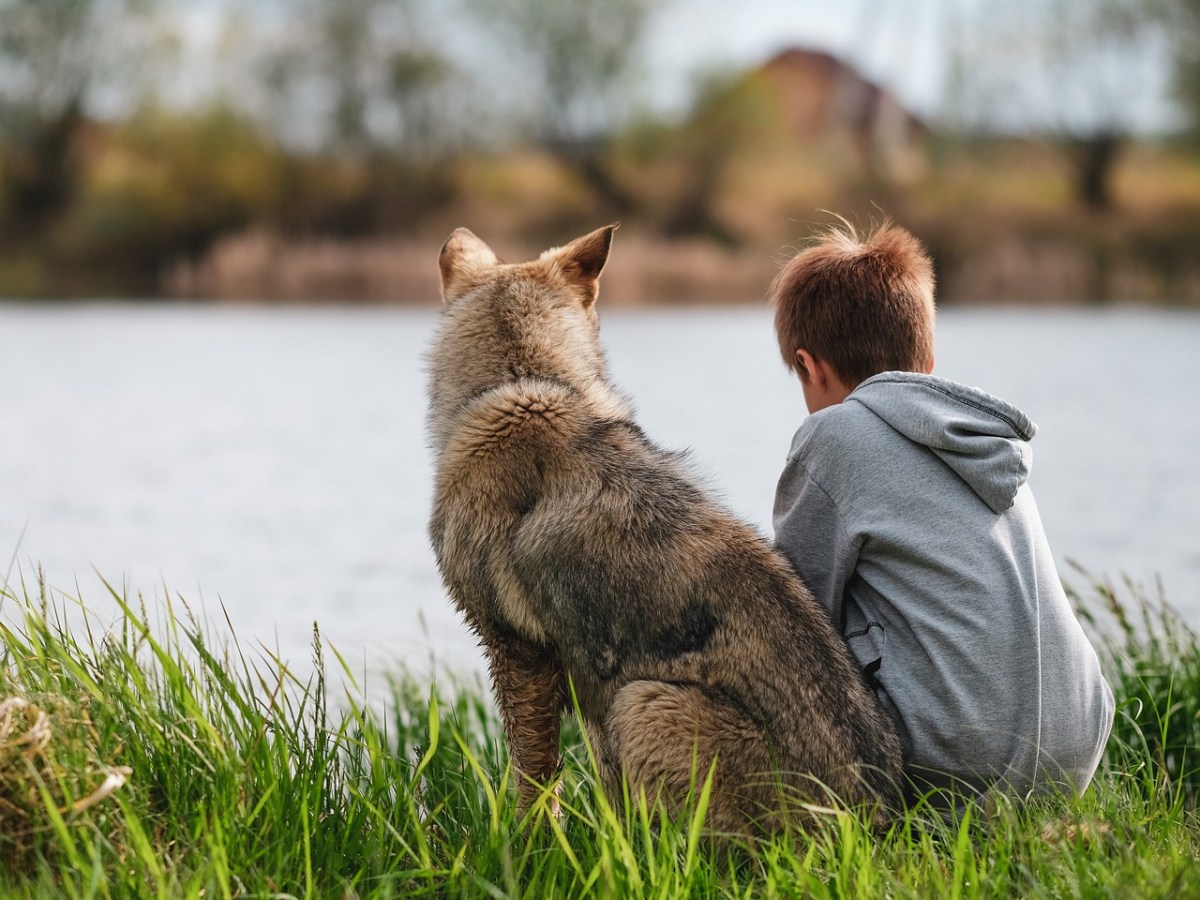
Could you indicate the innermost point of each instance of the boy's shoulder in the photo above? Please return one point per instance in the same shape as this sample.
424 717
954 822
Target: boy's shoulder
844 429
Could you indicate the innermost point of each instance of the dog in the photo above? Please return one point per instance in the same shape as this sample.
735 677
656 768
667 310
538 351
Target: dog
595 565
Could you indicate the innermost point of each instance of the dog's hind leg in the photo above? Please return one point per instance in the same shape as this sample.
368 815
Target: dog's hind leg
531 693
666 738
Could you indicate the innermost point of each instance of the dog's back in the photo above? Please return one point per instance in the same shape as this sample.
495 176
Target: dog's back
579 549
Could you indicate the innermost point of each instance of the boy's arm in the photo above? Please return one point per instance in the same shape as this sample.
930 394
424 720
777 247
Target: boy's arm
810 531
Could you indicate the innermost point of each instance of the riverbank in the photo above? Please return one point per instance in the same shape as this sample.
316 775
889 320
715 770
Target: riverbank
998 218
1060 260
142 760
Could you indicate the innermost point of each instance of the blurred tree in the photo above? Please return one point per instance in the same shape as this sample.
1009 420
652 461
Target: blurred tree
1183 18
1077 71
361 83
727 113
374 81
163 186
166 185
57 58
582 56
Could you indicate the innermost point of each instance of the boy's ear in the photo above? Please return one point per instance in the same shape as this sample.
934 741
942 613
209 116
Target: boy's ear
463 258
583 260
805 365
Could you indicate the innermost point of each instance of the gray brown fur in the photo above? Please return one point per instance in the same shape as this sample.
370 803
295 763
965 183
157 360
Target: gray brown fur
583 554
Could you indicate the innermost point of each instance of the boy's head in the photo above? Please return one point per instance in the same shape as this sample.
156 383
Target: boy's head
848 309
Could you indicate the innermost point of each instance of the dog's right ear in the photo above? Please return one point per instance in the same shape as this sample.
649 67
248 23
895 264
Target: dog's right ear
464 258
583 259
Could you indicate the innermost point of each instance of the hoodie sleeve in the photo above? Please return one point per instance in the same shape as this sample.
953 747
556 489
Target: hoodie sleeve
811 533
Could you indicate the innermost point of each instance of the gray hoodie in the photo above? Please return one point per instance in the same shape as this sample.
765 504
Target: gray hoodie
906 510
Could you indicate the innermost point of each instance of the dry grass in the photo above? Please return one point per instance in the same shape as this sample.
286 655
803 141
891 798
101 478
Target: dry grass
982 262
49 773
257 266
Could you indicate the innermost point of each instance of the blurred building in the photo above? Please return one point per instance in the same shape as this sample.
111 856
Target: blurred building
822 100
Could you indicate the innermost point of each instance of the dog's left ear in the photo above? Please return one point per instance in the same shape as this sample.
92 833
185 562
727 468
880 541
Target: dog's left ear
583 259
463 258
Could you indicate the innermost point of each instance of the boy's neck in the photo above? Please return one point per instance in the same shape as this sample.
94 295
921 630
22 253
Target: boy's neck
822 386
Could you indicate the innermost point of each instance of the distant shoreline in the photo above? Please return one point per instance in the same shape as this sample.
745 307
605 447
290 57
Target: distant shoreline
1067 262
1065 269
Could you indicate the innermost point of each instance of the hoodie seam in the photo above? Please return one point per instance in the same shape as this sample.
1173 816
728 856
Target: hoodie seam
855 542
1008 420
863 631
799 458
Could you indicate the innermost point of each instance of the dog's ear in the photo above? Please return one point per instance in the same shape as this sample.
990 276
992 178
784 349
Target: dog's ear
463 258
583 259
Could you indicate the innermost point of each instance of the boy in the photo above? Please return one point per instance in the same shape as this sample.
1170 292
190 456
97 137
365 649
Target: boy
904 507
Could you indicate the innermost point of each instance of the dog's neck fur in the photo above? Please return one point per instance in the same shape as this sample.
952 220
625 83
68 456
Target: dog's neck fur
596 395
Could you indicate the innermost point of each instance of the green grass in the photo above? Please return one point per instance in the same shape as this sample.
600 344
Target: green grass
158 761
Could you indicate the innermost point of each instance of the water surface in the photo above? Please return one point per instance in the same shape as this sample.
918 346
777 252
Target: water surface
273 461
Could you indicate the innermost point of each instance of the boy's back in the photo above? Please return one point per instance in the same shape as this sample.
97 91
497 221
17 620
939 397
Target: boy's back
906 510
904 506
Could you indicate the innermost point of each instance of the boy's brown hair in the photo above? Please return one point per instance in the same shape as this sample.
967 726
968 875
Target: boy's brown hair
863 306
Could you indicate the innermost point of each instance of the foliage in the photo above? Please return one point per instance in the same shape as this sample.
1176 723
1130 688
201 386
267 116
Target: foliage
51 57
579 59
56 57
363 121
1078 72
1184 18
1153 663
729 115
245 777
105 179
362 79
164 185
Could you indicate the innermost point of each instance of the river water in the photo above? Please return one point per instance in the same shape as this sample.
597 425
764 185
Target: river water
269 465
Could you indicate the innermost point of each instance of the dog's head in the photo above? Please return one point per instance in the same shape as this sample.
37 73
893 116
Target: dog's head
503 322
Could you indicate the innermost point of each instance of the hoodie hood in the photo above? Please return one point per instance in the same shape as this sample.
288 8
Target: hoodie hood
984 440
